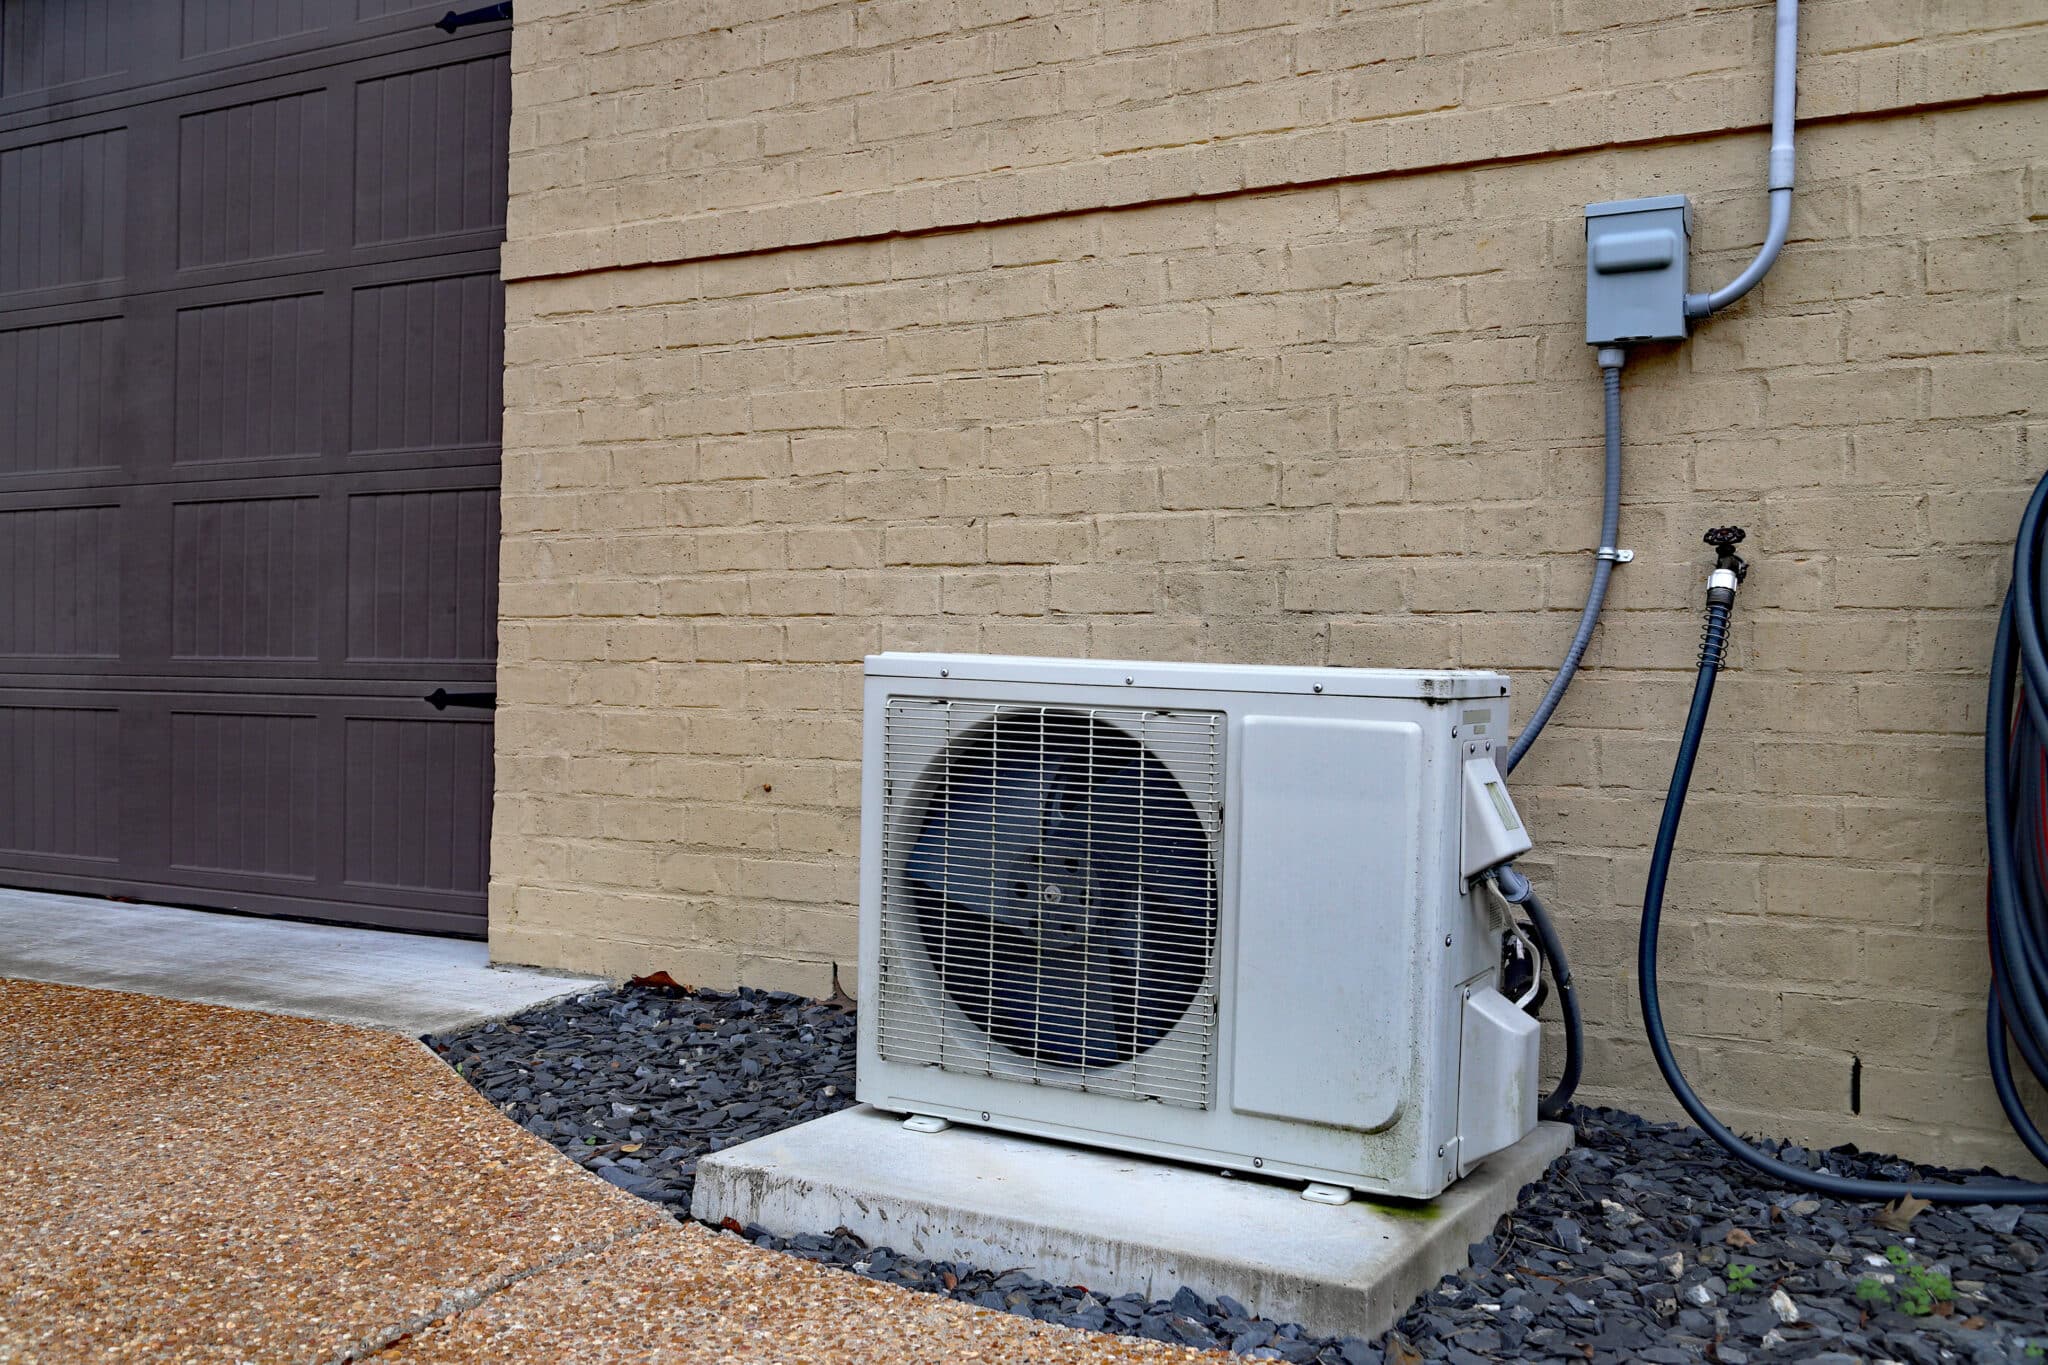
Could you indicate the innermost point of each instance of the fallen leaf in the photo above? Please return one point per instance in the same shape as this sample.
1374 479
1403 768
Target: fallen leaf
1974 1324
949 1279
658 981
1943 1308
1898 1217
1738 1238
731 1225
629 1146
1400 1352
839 999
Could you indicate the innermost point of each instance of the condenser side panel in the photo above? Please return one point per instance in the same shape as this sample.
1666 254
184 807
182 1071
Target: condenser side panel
1327 883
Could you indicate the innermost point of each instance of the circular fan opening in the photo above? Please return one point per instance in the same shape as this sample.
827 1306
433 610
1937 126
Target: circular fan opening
1060 880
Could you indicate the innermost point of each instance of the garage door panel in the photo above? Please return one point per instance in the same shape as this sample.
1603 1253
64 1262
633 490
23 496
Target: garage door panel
246 578
253 377
46 44
238 783
63 217
427 364
422 576
419 800
211 28
413 178
57 770
250 390
366 808
56 379
93 51
62 567
369 575
254 181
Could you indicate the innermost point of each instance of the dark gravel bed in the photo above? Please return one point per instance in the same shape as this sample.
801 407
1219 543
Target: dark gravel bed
1645 1243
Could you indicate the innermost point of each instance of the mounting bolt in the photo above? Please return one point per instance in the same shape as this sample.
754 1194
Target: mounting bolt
1318 687
1258 1161
984 1116
1447 940
945 672
1127 682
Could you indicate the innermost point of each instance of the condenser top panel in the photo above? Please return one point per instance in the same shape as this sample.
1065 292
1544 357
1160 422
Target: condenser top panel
1421 684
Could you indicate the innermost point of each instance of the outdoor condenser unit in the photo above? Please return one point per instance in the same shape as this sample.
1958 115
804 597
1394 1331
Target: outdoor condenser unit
1223 915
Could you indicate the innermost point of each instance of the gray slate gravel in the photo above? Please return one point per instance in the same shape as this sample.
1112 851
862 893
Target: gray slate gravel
1636 1246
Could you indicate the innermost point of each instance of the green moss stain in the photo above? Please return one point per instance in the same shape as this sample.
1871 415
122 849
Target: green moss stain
1414 1211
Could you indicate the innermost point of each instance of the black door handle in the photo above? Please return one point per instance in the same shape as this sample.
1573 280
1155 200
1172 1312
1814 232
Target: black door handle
441 699
451 21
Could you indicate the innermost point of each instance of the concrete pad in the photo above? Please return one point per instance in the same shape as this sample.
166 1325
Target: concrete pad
1114 1223
408 983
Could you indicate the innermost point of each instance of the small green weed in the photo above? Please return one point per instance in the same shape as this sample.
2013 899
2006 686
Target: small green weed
1915 1294
1741 1278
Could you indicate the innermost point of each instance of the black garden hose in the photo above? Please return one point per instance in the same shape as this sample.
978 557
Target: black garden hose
2016 824
2019 944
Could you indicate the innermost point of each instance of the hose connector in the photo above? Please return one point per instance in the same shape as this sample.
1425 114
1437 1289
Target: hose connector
1722 583
1514 888
1730 568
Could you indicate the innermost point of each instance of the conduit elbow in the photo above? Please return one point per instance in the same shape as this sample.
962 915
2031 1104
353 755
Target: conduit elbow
1698 306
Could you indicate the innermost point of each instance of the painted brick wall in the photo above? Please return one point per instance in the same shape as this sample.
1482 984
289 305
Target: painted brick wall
1346 420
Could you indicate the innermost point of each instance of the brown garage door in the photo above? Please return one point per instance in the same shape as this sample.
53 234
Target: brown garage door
250 345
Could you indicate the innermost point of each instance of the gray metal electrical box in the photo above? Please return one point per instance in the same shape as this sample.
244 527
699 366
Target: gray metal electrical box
1635 269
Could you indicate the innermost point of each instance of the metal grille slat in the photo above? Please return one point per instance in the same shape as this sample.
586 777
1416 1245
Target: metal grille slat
1050 894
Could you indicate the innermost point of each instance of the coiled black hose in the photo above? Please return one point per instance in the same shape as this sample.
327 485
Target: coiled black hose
2016 825
2017 940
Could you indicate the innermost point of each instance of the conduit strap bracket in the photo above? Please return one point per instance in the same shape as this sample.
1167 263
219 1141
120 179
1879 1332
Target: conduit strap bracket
1612 555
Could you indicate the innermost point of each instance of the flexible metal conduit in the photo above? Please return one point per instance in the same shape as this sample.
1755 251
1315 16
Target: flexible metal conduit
1612 358
1784 99
1779 178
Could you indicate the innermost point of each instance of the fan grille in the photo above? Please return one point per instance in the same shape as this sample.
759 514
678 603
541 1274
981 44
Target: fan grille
1049 897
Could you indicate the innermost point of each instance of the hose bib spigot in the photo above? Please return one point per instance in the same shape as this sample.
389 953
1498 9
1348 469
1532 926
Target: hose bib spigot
1729 567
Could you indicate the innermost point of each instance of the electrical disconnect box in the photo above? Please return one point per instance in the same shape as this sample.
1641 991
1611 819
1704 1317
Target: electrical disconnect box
1635 270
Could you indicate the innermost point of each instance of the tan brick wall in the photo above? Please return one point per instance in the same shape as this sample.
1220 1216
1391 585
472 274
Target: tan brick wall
664 130
1349 421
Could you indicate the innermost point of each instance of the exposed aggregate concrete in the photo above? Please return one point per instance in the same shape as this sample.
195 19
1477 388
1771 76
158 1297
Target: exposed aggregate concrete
183 1182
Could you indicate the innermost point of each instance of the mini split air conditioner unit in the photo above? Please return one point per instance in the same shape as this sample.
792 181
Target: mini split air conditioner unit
1222 915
